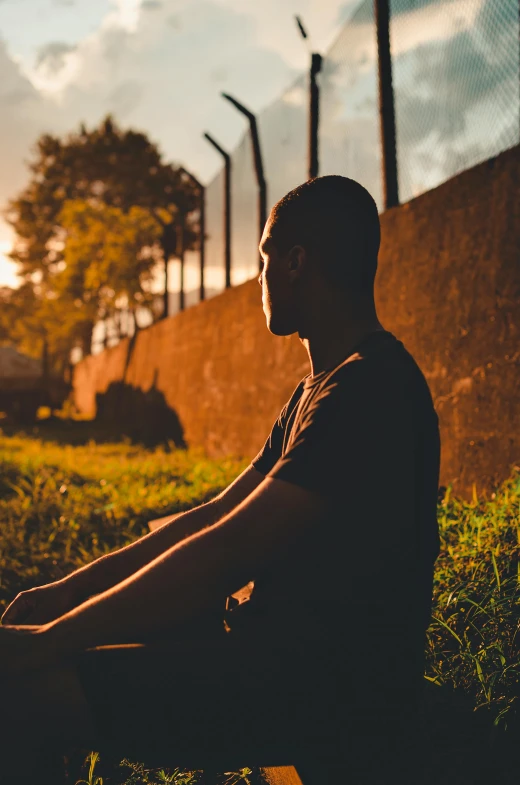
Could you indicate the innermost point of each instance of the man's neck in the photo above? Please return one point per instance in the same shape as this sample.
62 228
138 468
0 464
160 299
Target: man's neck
329 343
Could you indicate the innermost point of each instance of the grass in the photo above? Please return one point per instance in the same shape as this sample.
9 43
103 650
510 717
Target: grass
140 775
64 504
474 638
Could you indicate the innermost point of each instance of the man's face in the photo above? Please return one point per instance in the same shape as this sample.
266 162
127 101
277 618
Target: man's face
277 280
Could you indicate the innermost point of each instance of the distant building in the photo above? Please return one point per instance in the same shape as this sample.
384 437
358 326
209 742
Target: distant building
15 365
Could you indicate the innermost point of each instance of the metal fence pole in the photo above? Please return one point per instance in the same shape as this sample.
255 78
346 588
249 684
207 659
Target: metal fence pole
386 105
314 105
202 240
202 227
166 304
314 115
168 243
227 206
181 236
259 165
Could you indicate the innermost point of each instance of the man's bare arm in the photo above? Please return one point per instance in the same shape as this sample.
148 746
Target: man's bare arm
44 603
183 581
107 571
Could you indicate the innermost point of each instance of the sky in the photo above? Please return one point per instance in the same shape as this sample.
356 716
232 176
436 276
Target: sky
160 65
157 65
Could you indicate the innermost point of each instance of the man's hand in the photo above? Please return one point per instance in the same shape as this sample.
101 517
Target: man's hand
23 649
43 604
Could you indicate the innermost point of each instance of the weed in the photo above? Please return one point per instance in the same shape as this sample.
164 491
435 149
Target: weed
91 759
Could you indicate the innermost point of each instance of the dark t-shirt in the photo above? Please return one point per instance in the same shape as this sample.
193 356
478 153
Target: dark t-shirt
364 436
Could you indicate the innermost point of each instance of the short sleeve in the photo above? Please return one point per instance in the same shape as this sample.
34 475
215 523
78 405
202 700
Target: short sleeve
270 453
351 434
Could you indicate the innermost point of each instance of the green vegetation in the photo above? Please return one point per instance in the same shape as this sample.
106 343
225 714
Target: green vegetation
62 505
474 638
137 774
100 210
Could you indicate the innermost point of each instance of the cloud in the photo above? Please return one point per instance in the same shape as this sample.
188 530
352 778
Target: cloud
159 66
173 21
457 97
124 98
440 82
21 122
365 12
362 13
158 70
166 78
162 74
51 58
24 114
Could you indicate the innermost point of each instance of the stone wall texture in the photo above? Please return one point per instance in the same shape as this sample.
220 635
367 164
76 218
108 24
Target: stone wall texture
448 286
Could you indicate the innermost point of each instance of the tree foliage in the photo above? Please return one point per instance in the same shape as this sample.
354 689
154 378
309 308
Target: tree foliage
109 256
98 212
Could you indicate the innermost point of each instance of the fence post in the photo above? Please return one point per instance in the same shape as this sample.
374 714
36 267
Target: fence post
314 106
181 237
202 240
314 115
386 105
259 165
202 225
166 304
227 206
168 243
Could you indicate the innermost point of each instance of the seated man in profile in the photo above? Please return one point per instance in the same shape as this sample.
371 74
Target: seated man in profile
334 521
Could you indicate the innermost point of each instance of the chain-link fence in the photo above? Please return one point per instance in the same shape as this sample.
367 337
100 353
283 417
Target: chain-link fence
283 137
349 116
456 79
456 86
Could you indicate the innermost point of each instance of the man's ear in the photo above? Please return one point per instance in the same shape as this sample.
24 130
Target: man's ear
296 258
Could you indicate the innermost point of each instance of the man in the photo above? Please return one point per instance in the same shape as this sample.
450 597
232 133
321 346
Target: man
334 520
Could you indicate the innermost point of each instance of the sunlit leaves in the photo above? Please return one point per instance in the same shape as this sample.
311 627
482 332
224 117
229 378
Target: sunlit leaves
109 254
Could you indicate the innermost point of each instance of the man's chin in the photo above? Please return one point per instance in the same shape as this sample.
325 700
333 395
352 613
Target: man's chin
277 327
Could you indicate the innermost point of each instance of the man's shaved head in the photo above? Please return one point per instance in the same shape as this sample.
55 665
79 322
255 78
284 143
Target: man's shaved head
336 221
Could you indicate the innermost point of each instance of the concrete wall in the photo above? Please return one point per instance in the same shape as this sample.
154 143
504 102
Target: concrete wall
448 286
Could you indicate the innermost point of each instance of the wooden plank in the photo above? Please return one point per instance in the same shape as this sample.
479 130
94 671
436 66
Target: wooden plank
281 775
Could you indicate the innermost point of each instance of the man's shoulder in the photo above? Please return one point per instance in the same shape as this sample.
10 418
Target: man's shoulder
293 400
386 356
384 372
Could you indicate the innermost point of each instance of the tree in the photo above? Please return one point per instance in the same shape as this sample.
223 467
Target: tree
109 258
102 169
5 314
37 324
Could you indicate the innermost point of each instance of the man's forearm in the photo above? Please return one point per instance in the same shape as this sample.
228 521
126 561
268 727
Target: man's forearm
107 571
171 589
182 582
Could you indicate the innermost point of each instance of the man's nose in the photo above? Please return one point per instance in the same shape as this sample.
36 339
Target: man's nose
259 279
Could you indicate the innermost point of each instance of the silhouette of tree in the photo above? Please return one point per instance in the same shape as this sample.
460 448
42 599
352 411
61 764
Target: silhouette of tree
92 181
